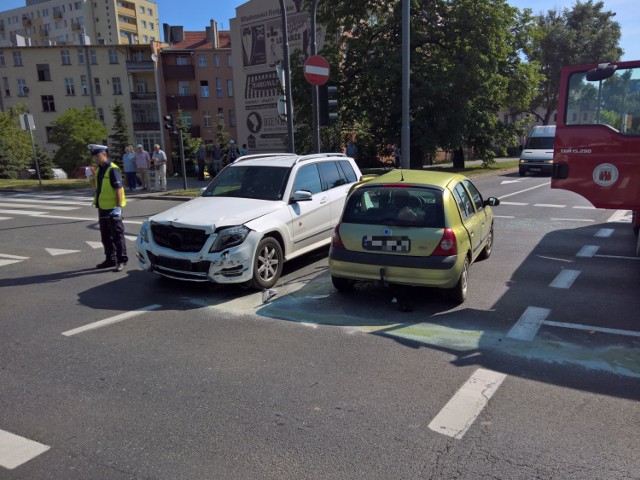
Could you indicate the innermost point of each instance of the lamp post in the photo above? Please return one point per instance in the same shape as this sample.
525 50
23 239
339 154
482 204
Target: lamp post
287 77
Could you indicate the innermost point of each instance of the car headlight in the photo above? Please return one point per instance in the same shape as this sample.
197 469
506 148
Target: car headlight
144 232
230 237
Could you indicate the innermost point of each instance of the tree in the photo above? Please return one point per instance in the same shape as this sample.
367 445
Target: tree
15 145
190 145
72 131
586 34
120 136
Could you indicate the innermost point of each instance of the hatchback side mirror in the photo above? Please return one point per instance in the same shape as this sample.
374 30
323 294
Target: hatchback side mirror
492 201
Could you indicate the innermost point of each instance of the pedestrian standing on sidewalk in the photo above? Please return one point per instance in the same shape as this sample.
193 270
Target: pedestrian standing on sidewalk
200 158
160 165
143 164
109 200
216 153
129 164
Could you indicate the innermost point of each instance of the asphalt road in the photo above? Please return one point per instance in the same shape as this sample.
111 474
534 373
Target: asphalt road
110 375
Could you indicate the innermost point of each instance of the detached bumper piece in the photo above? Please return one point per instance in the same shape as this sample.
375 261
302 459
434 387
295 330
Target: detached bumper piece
180 269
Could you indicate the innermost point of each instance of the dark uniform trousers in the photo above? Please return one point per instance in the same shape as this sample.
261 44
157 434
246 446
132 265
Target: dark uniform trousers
112 235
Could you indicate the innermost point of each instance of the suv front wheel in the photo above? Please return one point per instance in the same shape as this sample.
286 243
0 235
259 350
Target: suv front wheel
267 266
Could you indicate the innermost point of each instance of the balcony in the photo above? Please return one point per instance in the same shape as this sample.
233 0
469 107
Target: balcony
76 27
142 66
182 102
127 12
26 22
57 14
43 32
179 72
143 96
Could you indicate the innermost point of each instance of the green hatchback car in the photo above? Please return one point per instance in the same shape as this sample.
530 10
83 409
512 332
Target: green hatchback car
415 228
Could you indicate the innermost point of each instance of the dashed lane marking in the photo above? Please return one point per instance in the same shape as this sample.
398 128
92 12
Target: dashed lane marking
588 328
604 232
110 321
585 220
565 279
517 204
54 252
465 406
525 190
529 323
16 450
587 251
548 205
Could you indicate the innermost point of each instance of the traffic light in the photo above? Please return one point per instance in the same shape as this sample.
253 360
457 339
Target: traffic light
327 104
170 125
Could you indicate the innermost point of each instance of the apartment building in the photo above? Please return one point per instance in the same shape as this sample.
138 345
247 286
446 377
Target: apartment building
80 22
196 80
52 79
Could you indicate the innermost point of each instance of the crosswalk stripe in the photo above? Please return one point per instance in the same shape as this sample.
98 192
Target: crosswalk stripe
38 205
16 450
59 251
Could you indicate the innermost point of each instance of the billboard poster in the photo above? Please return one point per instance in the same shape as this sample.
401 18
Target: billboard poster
257 49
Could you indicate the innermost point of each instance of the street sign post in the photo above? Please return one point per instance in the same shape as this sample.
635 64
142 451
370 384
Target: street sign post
316 70
27 123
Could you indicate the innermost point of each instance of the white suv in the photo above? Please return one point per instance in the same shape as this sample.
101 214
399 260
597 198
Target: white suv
257 213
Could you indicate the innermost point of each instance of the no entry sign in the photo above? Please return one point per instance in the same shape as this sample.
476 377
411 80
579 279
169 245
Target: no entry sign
316 70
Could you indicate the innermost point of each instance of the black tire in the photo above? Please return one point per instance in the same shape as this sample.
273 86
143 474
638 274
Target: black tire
343 285
488 248
459 292
522 172
267 266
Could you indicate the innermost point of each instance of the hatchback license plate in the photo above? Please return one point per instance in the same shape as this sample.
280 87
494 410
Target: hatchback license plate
381 243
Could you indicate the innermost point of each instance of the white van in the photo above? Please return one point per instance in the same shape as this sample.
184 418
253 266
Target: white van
537 154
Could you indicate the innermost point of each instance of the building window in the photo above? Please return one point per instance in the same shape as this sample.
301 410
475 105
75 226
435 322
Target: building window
183 88
232 118
22 87
66 57
2 62
141 86
93 56
117 85
229 61
182 60
5 85
84 85
49 131
204 88
80 56
219 87
230 88
44 74
144 24
202 60
187 120
101 114
71 90
206 118
96 85
48 105
216 60
113 56
17 59
141 10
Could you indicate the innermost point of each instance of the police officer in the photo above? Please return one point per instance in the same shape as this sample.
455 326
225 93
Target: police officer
109 200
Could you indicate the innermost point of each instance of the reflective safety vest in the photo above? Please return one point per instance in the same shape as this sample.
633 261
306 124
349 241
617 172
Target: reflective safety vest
107 198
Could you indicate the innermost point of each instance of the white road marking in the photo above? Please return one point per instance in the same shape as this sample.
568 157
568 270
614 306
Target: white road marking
623 216
548 205
577 326
13 257
461 411
94 245
16 450
529 323
518 204
565 279
511 181
604 232
110 321
503 216
133 238
587 251
6 259
620 257
6 218
586 220
59 251
86 202
37 205
525 190
21 212
585 207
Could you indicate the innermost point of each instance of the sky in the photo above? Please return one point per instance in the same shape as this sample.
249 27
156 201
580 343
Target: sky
194 15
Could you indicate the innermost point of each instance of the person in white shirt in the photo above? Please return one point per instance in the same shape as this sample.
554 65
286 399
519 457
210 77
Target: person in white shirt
160 165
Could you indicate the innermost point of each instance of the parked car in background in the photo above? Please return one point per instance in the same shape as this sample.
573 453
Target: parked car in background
257 213
411 227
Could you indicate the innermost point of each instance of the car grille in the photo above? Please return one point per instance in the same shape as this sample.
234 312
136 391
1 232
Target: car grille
179 239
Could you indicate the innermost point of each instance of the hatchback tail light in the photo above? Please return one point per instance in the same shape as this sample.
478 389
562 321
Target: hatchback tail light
336 241
447 245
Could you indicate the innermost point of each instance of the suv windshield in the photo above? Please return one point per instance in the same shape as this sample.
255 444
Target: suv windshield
249 181
401 206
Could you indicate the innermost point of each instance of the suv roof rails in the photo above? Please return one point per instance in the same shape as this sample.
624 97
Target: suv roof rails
312 156
262 155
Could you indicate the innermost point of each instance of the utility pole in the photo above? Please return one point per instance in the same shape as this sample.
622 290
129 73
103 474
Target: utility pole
406 76
314 88
287 77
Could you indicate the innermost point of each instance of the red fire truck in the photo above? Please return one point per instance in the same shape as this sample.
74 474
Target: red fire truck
597 144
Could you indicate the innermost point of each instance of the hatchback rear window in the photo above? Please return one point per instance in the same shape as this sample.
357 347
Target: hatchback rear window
401 206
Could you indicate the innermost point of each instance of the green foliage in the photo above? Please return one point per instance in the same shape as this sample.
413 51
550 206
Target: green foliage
583 35
15 144
73 130
190 145
120 134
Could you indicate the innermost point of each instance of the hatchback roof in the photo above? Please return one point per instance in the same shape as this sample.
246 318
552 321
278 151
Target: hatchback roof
418 177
